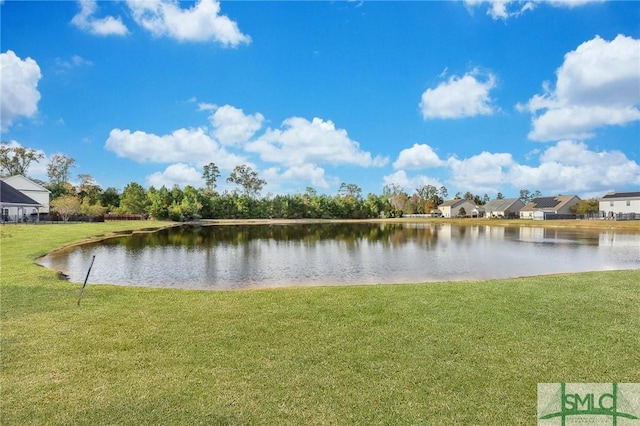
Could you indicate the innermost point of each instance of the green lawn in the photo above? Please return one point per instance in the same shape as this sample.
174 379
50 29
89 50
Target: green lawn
442 354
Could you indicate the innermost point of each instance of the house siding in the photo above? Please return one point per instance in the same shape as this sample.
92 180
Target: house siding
31 190
613 206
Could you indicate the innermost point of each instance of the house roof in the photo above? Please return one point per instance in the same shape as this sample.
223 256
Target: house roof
455 203
500 205
622 195
9 196
549 203
23 183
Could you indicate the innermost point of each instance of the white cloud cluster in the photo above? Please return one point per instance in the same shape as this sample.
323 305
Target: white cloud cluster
183 145
504 9
566 167
86 21
597 85
485 172
232 126
295 174
176 174
202 22
19 93
298 149
409 184
459 97
317 141
419 156
571 166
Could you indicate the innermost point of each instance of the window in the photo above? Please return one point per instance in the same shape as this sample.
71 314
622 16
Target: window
611 203
628 203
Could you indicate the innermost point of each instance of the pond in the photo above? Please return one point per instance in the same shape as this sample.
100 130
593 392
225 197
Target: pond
260 256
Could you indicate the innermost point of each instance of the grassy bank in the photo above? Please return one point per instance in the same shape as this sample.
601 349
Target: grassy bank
450 353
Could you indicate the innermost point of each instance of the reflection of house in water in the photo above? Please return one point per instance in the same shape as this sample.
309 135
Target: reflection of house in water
559 236
531 234
611 239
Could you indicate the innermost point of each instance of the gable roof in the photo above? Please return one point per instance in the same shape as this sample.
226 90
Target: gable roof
454 203
622 195
9 196
23 183
501 205
549 203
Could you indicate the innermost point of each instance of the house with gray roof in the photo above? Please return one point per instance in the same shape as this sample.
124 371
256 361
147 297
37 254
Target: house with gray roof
504 208
14 204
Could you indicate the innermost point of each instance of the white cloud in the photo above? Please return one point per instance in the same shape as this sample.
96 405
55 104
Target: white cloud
86 21
485 172
571 166
573 3
201 22
597 85
205 106
317 141
504 9
566 167
18 88
459 97
304 173
232 126
176 174
183 145
419 156
74 61
407 183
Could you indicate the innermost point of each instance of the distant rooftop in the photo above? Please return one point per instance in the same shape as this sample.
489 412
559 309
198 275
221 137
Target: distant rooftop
630 194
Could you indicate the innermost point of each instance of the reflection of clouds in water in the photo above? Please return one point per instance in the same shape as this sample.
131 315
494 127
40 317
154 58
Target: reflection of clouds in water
245 257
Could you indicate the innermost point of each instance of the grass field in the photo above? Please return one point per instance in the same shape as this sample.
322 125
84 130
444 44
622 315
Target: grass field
446 353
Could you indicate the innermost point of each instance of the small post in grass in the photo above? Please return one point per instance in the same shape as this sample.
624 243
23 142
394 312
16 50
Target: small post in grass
85 280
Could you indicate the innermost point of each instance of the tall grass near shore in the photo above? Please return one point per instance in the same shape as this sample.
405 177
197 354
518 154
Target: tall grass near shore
445 353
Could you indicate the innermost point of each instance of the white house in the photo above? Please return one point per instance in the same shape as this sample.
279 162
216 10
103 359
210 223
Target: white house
615 203
14 205
32 190
504 208
452 208
540 207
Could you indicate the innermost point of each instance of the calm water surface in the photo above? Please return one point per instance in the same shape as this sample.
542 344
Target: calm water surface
258 256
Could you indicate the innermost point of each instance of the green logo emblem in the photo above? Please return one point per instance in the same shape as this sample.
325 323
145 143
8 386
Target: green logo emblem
565 404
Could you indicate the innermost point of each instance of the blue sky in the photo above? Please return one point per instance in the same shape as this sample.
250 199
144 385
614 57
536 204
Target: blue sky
480 96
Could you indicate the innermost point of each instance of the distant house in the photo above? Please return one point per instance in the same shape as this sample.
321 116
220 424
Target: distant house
478 211
14 205
620 203
542 207
452 208
24 208
505 208
31 189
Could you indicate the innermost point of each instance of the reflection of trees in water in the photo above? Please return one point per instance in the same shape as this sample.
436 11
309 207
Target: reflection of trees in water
350 234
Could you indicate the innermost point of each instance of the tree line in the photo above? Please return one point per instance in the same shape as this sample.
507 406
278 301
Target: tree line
87 198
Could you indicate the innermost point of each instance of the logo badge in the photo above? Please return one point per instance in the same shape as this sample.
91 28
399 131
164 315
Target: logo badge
567 404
